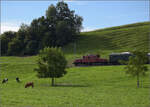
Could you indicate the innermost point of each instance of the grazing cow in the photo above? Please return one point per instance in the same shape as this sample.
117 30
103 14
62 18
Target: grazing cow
17 79
29 84
5 80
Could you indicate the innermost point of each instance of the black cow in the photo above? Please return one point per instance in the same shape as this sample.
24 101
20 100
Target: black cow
5 80
17 79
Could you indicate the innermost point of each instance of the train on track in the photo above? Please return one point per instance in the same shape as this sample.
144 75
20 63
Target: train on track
114 59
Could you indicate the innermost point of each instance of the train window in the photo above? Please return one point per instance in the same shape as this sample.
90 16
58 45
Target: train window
98 55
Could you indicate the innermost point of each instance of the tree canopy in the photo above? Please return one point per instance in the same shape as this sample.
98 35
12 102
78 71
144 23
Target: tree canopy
51 64
58 27
5 38
136 65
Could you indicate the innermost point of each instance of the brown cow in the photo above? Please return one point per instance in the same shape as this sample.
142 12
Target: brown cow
29 84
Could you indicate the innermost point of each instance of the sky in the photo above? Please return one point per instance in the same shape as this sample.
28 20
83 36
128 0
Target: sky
96 14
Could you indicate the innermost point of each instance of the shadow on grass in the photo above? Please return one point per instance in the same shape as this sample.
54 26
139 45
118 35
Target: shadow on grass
64 85
70 85
146 87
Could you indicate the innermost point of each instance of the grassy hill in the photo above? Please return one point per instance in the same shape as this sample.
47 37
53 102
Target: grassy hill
114 39
99 86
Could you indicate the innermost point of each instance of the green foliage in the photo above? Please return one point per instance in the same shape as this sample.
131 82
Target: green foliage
59 27
17 45
63 26
136 65
5 38
30 48
51 63
63 33
14 47
51 12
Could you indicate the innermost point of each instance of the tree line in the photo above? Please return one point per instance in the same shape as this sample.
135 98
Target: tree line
57 28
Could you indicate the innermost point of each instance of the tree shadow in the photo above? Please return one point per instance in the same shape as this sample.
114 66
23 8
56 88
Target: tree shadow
146 87
70 85
64 85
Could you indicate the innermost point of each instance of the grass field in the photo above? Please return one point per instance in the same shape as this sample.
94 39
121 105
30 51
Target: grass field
101 86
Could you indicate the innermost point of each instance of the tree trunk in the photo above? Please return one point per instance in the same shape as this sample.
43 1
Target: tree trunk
52 81
138 83
141 83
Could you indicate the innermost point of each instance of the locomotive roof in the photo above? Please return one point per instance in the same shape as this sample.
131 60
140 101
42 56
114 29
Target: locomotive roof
91 55
125 53
122 53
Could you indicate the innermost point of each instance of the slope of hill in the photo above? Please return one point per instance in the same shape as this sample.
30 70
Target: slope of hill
114 39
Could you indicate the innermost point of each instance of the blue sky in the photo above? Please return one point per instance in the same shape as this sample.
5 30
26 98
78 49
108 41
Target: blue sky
96 14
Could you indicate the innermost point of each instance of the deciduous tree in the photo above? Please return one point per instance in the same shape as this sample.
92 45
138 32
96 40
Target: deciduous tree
51 64
136 65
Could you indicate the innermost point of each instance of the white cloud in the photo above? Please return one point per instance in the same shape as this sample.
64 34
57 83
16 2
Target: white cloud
10 26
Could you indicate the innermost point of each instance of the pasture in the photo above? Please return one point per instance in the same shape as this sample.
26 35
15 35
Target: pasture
99 86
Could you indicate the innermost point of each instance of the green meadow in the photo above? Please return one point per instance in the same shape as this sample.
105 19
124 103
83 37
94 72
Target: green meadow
95 86
82 86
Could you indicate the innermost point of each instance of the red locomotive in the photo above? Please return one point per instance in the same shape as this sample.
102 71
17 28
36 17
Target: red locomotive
90 60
